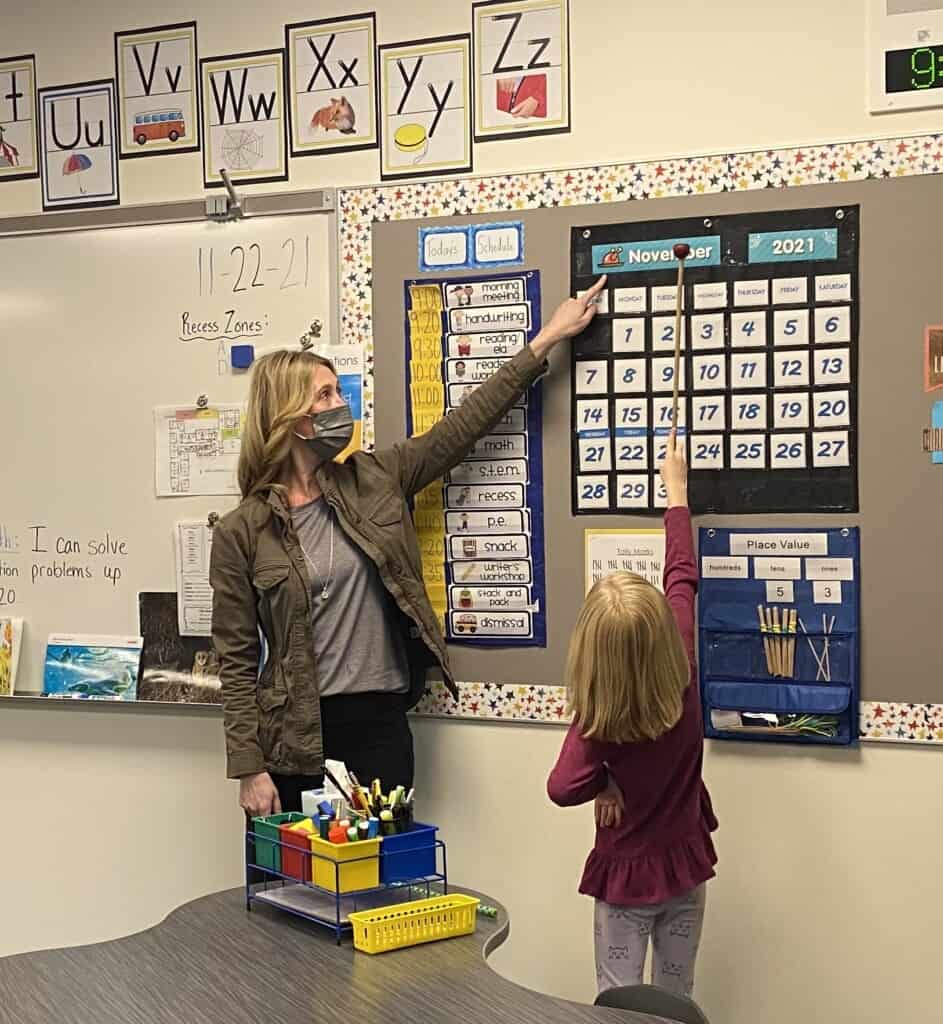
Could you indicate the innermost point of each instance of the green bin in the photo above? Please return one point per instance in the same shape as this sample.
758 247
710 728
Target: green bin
269 855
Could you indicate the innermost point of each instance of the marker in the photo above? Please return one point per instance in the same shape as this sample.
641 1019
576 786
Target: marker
326 809
363 830
387 825
324 826
352 834
373 828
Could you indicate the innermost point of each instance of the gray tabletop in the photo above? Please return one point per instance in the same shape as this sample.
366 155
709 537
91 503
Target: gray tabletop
212 962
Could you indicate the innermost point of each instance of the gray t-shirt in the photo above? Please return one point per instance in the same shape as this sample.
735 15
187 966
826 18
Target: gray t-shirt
357 647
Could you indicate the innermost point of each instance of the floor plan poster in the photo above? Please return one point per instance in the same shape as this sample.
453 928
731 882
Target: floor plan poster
244 130
425 106
768 376
197 449
481 530
522 68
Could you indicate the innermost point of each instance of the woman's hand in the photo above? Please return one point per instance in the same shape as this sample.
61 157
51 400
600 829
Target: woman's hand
258 795
610 804
570 318
674 471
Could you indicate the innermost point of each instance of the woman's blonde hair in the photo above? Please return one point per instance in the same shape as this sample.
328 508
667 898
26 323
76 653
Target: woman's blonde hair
279 393
627 668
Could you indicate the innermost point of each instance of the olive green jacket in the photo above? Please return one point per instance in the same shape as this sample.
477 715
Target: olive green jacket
261 586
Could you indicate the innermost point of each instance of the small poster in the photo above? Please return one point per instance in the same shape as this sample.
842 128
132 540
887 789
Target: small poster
197 449
332 84
425 102
79 148
19 157
193 541
522 68
638 551
244 131
158 90
174 668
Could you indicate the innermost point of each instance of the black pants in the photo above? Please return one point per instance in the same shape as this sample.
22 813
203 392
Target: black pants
370 733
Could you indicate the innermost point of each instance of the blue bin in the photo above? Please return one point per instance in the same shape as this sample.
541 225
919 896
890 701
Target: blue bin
408 855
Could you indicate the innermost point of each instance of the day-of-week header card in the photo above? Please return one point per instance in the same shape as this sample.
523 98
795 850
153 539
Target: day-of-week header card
790 246
626 257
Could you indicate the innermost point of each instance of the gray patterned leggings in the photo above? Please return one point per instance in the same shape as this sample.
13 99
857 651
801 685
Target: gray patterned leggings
622 935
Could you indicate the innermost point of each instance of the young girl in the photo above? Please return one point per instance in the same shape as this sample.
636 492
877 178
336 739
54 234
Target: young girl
635 747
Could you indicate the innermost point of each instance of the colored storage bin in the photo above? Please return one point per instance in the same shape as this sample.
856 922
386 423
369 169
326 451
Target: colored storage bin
296 862
410 924
345 867
408 855
269 855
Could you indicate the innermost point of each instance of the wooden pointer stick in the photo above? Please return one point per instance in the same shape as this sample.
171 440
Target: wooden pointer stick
681 252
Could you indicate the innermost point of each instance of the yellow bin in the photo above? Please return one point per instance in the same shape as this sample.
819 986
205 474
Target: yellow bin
345 867
410 924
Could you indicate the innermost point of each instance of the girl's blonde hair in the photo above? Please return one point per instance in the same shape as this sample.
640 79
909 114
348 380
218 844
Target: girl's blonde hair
279 393
627 668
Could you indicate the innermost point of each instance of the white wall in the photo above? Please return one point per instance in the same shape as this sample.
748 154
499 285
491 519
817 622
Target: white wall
650 79
826 907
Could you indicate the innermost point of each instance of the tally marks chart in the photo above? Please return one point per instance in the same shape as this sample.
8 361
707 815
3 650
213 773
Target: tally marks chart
779 634
481 529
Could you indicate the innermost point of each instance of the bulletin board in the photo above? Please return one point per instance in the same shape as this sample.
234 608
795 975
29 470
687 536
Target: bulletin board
898 488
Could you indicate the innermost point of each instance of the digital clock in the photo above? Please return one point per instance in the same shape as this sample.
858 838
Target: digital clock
913 69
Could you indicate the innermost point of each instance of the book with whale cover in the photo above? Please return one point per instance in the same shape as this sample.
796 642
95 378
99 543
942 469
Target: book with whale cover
90 667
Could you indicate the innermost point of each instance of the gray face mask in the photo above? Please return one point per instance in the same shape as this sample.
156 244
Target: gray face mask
333 430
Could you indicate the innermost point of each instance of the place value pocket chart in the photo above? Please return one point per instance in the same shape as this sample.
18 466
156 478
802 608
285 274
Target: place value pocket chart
768 371
480 529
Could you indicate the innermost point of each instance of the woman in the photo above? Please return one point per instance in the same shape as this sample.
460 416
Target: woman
321 558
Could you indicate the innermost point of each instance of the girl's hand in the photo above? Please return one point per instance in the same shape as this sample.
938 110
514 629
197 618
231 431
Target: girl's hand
610 804
570 318
674 471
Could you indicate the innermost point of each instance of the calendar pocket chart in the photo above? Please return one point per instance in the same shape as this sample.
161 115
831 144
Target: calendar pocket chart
767 378
779 634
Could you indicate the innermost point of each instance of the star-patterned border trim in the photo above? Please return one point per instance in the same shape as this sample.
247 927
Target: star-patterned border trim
360 208
879 721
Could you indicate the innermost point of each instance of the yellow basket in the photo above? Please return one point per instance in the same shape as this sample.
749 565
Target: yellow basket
410 924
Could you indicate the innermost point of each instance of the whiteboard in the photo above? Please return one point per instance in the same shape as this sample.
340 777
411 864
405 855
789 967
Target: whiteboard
97 328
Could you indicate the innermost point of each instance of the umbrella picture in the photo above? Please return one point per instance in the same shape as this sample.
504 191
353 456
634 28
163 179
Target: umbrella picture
76 164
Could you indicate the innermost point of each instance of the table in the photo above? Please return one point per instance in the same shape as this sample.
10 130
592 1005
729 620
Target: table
212 962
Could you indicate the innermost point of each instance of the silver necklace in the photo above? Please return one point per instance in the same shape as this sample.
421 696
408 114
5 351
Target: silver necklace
325 583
